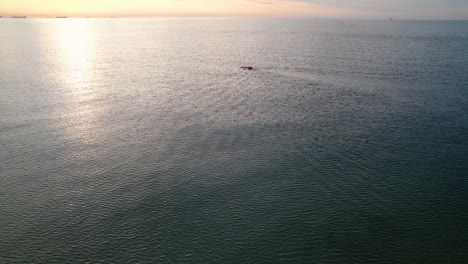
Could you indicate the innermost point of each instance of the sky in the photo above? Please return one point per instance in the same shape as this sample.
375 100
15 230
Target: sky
361 9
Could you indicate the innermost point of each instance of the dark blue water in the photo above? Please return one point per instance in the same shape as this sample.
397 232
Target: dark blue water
143 141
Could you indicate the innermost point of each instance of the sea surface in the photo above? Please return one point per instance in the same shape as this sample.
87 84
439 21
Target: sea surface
143 141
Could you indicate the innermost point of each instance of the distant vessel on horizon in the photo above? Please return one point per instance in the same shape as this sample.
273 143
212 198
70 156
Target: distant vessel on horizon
19 17
61 17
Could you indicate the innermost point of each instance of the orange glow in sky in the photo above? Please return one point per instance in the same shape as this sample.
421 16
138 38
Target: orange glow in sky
417 9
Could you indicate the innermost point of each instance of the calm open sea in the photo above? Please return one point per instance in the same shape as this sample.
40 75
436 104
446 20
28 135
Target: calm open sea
143 141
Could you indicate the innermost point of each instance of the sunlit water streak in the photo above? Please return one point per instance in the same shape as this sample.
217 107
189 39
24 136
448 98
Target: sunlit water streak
143 141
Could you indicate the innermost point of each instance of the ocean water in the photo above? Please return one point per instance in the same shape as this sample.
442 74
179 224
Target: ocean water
143 141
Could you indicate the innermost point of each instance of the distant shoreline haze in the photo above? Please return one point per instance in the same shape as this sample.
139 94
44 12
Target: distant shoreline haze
349 9
183 15
224 17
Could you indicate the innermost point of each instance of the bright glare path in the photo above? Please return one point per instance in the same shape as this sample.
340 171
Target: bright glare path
76 55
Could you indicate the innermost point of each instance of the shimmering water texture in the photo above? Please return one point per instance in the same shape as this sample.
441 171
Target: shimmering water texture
144 141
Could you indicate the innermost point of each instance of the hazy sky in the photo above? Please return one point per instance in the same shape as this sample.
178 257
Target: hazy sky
404 9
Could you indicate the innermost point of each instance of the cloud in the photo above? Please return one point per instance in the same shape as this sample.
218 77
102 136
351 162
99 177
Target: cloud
260 2
389 5
409 9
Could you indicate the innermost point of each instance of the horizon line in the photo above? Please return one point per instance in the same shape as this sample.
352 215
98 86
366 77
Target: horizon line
223 16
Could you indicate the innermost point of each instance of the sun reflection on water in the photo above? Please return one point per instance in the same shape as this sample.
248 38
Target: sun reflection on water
79 91
75 39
